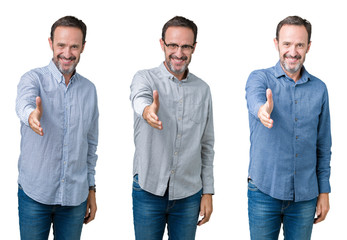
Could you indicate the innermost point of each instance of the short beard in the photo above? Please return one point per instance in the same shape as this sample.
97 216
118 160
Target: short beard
287 68
172 69
66 71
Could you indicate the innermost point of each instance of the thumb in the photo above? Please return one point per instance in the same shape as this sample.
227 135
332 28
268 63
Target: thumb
318 211
156 98
39 104
269 99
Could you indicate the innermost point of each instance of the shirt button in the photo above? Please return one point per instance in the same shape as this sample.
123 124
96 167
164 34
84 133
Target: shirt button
296 155
62 180
297 137
173 171
179 135
296 101
175 153
179 119
296 119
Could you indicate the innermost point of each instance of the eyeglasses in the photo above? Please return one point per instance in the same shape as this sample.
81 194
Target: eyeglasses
174 47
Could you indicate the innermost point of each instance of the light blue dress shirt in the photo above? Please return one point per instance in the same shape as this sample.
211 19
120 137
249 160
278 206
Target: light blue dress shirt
58 167
290 161
180 156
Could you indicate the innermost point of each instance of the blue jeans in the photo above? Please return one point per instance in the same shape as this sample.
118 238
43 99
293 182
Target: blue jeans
35 219
266 215
152 213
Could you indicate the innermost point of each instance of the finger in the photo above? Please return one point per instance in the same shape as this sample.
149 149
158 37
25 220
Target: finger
264 115
36 122
87 211
154 121
321 215
36 126
318 219
205 219
91 215
266 122
153 116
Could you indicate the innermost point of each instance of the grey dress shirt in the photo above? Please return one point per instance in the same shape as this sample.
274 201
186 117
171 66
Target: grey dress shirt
180 156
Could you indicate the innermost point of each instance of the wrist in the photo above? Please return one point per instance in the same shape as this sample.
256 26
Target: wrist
92 188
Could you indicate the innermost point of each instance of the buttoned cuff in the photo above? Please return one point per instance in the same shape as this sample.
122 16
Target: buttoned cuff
208 190
91 180
324 187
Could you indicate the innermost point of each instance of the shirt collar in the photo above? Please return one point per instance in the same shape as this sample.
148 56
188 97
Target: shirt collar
279 72
59 77
170 76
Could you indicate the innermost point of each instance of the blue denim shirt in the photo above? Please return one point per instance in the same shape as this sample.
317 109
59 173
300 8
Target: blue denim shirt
58 167
290 161
181 154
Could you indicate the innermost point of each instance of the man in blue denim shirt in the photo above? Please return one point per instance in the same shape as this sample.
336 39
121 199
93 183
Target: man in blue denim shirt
59 115
290 140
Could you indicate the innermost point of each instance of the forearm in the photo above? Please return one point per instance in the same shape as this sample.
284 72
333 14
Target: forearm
255 92
27 91
141 94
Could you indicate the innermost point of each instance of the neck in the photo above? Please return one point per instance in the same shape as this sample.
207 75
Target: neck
67 78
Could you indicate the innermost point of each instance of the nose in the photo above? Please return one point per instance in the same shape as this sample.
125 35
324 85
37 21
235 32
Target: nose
179 52
67 52
292 50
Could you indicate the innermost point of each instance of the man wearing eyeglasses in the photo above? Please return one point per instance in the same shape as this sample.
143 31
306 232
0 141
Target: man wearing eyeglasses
174 138
290 153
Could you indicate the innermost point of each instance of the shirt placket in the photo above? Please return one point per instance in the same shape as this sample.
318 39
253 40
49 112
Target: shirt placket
65 157
296 137
178 138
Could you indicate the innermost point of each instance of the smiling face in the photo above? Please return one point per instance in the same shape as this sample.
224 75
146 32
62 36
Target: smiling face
177 61
292 46
66 46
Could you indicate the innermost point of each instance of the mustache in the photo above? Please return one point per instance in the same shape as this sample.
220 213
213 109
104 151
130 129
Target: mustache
70 58
175 57
290 56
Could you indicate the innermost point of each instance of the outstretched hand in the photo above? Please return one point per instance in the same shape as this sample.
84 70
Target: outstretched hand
266 110
150 112
35 117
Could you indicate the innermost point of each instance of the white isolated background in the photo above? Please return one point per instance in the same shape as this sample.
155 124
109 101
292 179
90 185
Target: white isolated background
234 38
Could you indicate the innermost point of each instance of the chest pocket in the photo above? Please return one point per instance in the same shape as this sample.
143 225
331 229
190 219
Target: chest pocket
197 113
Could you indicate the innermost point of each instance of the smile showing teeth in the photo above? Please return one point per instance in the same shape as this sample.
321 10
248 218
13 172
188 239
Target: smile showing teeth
177 60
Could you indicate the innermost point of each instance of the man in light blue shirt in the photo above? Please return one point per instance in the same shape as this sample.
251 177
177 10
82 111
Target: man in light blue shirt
290 153
58 112
174 138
